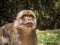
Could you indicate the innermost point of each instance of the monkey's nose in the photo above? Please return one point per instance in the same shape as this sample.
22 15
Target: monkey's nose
29 19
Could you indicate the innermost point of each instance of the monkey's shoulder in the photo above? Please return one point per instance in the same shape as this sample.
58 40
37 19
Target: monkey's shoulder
6 29
6 26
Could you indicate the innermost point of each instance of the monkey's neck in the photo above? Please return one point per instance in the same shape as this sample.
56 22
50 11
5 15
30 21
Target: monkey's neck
27 36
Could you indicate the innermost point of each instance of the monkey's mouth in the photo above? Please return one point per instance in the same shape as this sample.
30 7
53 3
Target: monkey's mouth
29 24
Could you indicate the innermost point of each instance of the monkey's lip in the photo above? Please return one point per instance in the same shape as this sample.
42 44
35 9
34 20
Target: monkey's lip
29 24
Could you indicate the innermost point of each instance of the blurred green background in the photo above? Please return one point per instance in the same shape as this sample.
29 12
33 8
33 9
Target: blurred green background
47 12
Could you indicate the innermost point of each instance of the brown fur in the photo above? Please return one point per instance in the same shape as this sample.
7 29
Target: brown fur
28 36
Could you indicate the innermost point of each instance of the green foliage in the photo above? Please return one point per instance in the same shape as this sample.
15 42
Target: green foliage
49 37
44 38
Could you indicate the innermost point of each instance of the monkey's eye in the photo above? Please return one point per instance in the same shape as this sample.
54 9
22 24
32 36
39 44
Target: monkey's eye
28 16
31 16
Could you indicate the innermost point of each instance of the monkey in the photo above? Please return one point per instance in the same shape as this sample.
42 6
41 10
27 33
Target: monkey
23 30
27 27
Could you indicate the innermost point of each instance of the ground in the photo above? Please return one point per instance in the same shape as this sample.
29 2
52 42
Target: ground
48 37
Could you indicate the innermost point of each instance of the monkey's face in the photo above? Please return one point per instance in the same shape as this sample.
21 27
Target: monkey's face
26 18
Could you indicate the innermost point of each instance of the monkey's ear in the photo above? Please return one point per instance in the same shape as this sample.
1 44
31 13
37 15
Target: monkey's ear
17 24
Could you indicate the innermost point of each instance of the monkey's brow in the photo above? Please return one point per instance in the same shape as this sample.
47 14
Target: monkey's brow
27 15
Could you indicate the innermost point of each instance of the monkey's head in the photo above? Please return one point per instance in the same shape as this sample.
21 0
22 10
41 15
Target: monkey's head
25 18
